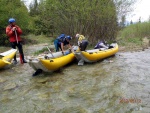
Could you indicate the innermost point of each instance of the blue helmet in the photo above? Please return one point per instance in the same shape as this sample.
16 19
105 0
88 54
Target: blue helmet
11 20
68 37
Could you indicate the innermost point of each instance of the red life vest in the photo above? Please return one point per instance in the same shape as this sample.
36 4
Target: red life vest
11 34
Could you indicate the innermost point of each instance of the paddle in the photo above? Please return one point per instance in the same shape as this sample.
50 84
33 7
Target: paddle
16 36
17 43
50 52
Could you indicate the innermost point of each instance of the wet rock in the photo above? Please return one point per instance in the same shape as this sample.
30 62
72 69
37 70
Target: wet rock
71 90
43 80
5 99
44 95
2 80
145 43
63 97
108 61
10 86
111 61
75 109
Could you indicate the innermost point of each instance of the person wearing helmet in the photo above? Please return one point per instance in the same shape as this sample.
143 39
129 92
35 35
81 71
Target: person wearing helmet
13 32
62 41
82 42
60 38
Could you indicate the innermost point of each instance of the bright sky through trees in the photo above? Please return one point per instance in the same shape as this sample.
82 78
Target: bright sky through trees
141 10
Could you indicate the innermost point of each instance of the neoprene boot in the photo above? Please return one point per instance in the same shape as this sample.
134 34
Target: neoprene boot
23 60
15 60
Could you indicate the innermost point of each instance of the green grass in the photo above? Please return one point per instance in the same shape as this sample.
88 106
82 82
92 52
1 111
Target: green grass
40 51
132 35
136 30
3 49
33 39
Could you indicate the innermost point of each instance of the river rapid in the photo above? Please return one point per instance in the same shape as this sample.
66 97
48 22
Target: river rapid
120 84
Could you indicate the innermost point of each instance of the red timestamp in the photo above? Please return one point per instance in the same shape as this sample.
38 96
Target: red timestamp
130 100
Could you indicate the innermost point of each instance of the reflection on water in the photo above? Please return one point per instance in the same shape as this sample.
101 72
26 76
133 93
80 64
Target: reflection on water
108 86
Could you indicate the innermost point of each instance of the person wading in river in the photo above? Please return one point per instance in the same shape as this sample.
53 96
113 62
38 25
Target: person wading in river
13 32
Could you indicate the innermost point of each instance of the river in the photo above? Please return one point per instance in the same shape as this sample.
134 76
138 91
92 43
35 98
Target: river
120 84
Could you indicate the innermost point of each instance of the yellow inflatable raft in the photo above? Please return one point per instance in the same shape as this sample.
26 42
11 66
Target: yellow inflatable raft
51 62
6 57
95 55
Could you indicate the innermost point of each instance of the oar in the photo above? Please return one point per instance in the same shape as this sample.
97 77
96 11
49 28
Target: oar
17 43
50 52
16 36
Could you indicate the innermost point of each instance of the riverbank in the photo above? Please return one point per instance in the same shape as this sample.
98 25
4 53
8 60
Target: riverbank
119 86
126 45
40 41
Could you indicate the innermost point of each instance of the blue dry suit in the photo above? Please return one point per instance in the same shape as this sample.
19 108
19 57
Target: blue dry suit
60 39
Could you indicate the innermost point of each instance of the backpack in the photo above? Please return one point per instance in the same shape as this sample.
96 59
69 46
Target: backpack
61 37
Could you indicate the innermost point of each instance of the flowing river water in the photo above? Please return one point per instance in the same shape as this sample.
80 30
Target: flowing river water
120 84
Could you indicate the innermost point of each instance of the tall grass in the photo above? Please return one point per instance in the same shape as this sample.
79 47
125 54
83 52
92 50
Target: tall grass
134 33
30 39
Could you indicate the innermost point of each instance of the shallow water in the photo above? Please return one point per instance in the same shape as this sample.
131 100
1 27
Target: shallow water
119 84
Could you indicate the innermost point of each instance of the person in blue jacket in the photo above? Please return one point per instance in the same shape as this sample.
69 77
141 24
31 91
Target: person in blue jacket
61 41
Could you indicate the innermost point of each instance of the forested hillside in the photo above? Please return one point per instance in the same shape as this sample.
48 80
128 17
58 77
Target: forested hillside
96 19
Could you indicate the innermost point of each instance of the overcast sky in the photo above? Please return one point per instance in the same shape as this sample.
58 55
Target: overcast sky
27 2
142 9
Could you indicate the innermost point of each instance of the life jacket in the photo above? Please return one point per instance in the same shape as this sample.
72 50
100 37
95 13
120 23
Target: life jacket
64 41
11 34
80 39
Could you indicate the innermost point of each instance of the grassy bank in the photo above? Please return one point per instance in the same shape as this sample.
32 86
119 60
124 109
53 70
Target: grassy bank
131 38
134 37
33 39
41 40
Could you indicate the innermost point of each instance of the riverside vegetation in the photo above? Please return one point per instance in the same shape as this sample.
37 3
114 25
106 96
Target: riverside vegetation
97 20
135 37
131 38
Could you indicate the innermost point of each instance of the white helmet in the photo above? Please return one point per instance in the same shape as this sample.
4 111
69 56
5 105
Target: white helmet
77 35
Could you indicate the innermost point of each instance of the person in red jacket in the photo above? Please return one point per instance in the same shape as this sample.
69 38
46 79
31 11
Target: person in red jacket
13 32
